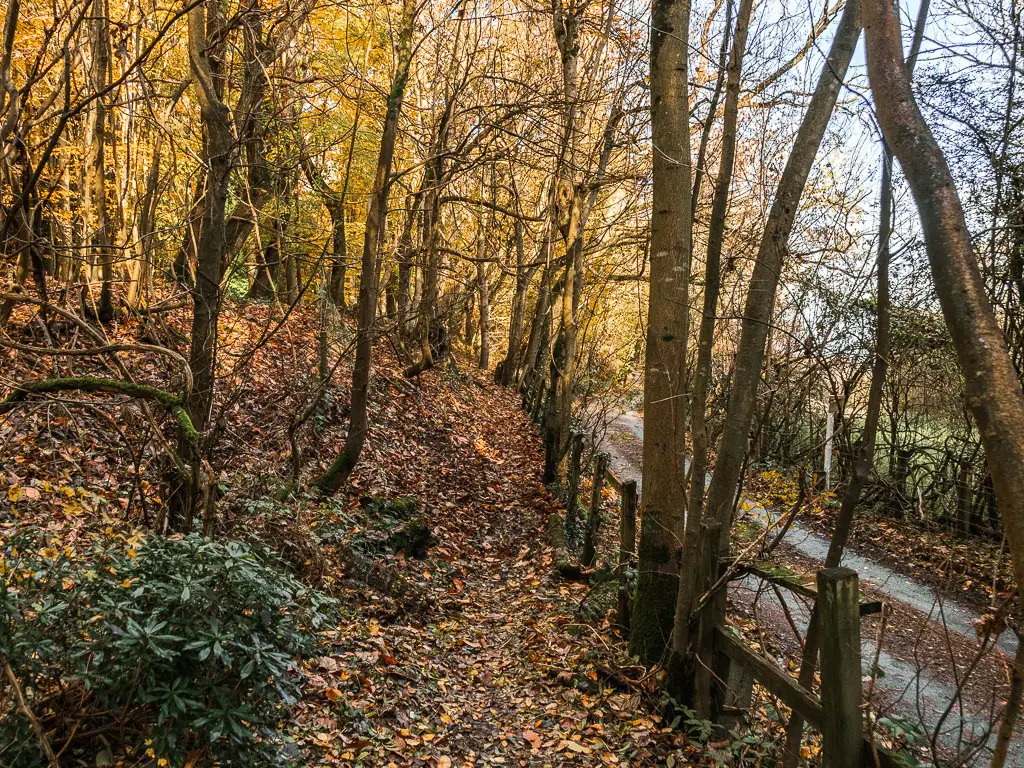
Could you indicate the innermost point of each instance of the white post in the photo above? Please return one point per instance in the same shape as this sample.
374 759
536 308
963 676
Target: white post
833 409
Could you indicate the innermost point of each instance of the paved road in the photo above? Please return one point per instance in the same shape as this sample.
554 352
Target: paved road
912 690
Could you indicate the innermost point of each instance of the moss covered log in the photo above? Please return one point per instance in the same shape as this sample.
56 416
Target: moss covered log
172 403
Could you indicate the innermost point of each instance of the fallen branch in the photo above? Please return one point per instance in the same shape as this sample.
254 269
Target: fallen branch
172 403
101 340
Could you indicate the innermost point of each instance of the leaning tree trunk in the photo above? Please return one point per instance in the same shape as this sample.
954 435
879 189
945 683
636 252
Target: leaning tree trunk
337 474
865 460
764 281
664 494
993 391
768 264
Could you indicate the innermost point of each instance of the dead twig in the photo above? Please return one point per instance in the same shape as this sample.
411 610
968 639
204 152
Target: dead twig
44 742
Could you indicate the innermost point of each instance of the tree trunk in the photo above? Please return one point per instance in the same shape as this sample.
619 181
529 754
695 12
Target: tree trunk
140 284
293 276
204 23
760 303
429 295
485 315
339 256
865 460
268 261
334 202
96 165
193 232
506 371
469 324
564 219
541 310
259 53
557 417
963 496
571 213
405 271
705 133
993 391
664 493
337 474
433 175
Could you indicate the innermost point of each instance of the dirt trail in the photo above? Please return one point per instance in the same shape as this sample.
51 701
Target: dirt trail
930 637
499 670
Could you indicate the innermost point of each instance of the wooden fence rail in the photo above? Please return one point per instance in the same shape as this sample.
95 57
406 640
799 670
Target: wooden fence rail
838 711
734 665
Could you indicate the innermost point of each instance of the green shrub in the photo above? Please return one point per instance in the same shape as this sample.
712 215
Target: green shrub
183 647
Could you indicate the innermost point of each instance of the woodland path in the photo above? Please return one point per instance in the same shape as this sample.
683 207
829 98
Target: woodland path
499 669
930 636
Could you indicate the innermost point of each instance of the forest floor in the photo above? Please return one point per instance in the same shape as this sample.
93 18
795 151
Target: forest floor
473 655
499 664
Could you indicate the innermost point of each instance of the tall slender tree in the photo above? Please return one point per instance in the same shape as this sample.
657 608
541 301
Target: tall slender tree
760 302
993 389
681 665
664 494
376 219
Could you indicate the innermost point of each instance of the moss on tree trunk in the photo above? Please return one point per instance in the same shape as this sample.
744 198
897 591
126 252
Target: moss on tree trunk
653 617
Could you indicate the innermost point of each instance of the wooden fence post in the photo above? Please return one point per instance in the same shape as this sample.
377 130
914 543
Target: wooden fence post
708 565
594 520
573 486
627 547
842 726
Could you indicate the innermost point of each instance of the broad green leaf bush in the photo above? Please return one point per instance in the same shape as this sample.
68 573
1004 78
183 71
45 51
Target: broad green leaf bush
178 649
